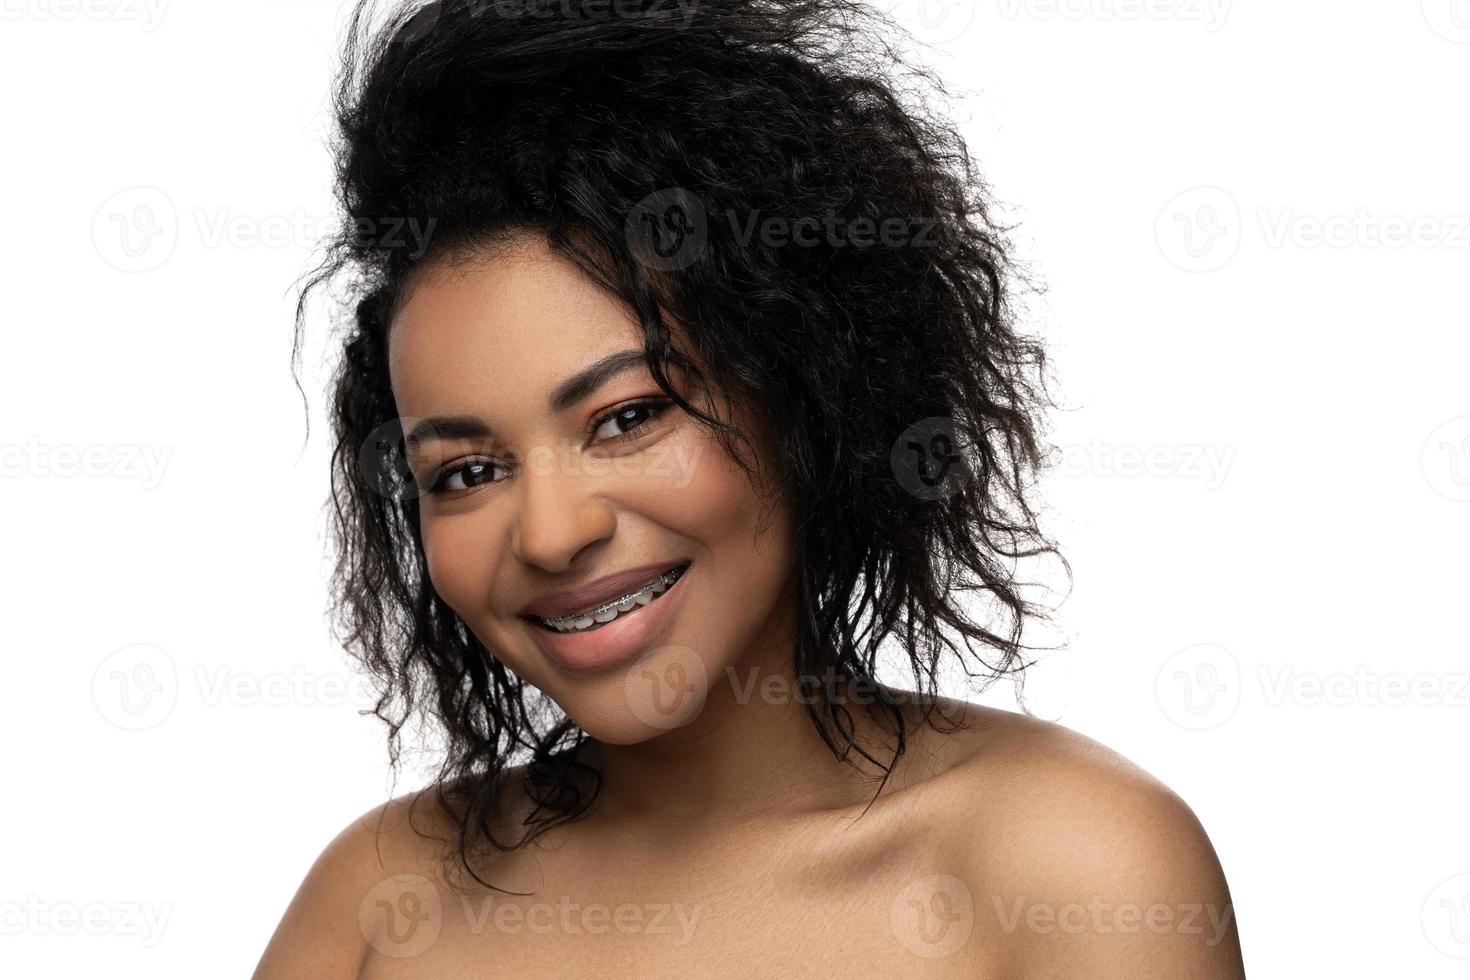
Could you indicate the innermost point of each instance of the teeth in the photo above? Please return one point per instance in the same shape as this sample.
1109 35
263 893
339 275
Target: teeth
609 611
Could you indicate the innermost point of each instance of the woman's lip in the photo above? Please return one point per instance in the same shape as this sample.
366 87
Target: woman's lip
612 643
592 594
661 577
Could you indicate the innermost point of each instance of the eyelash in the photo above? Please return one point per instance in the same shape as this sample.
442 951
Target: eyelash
436 484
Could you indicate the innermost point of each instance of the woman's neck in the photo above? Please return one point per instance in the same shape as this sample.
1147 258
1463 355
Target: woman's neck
751 750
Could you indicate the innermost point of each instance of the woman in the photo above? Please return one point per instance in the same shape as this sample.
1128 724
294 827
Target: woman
682 384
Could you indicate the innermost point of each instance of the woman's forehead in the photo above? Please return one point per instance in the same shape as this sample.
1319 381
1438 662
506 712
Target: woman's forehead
520 315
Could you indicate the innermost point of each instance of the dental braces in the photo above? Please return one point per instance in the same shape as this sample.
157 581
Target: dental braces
667 579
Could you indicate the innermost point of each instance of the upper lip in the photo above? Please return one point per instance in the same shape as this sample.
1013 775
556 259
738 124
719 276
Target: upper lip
589 595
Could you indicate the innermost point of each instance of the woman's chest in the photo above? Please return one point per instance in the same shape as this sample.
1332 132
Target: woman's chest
773 908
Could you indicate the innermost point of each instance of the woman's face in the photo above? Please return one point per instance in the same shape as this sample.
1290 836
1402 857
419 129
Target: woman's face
533 483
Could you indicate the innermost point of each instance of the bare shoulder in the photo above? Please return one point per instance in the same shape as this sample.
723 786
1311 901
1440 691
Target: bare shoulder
325 933
1081 861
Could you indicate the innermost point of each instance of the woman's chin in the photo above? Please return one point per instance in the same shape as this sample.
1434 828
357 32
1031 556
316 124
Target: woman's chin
664 690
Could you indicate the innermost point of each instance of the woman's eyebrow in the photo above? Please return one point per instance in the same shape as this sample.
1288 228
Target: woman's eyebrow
446 427
594 376
568 393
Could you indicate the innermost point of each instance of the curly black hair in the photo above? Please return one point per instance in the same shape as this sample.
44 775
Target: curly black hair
757 172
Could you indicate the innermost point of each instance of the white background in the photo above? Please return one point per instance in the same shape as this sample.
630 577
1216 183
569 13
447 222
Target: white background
1253 222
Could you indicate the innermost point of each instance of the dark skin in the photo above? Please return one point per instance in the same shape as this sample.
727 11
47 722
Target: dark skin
729 842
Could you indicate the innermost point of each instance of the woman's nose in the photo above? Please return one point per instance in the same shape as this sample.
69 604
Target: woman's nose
558 512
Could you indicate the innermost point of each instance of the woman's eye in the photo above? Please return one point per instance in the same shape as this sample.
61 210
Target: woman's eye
623 421
464 475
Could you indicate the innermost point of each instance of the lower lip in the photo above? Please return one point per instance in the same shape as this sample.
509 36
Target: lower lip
616 642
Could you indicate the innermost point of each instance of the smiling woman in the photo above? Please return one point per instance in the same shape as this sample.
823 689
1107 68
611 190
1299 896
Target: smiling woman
704 394
547 503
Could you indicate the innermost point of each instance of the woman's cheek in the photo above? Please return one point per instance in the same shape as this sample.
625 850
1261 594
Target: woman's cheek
453 563
715 495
